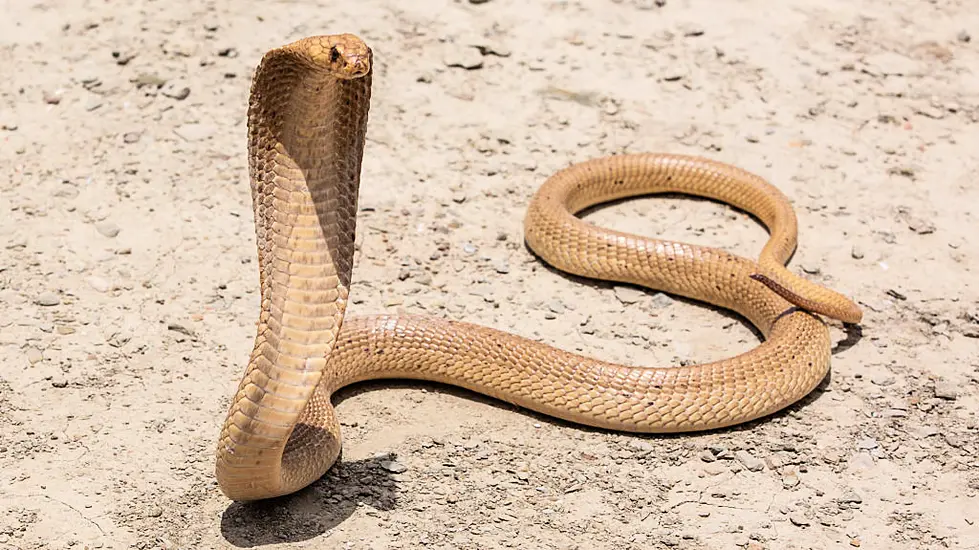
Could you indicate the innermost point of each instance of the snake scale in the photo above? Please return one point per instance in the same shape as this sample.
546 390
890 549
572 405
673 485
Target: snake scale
307 120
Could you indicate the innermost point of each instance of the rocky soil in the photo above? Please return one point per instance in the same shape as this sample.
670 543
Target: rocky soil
128 284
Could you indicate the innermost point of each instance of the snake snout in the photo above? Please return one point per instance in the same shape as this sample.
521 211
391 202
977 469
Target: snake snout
357 66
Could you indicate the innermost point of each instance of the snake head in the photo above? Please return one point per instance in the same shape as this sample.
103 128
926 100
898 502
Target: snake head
345 55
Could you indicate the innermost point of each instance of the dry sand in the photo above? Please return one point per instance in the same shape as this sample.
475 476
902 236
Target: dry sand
128 280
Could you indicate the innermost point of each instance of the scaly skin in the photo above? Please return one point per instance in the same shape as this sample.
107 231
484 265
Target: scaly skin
307 121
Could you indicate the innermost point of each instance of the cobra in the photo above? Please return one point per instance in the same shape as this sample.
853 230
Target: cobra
307 121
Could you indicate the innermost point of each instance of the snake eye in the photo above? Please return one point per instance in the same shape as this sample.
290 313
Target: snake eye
334 54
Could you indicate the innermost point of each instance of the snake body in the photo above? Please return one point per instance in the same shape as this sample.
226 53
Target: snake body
307 120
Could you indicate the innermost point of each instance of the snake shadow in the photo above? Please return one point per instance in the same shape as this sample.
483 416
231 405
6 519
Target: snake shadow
315 510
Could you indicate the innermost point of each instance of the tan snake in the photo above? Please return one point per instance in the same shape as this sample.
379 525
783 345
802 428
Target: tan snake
307 122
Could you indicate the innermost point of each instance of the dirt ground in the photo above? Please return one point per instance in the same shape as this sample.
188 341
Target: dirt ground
128 279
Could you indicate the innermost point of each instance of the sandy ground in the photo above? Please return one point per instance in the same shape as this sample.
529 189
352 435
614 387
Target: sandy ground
128 283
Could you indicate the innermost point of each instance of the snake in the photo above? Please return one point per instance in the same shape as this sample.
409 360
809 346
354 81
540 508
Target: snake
307 119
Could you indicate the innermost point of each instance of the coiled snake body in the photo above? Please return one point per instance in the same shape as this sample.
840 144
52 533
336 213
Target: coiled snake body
307 120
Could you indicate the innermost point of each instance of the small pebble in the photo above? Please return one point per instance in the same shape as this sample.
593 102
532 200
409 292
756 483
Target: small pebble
753 464
905 170
393 466
920 226
927 431
867 444
973 315
53 98
628 295
122 58
810 269
891 64
719 451
790 480
34 355
896 294
175 90
856 253
467 57
930 112
882 380
59 382
692 30
964 36
98 283
946 390
181 329
48 299
715 469
642 445
661 300
182 48
798 519
496 49
107 229
149 80
131 137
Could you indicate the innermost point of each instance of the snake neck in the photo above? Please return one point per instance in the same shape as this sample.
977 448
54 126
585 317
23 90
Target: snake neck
306 134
